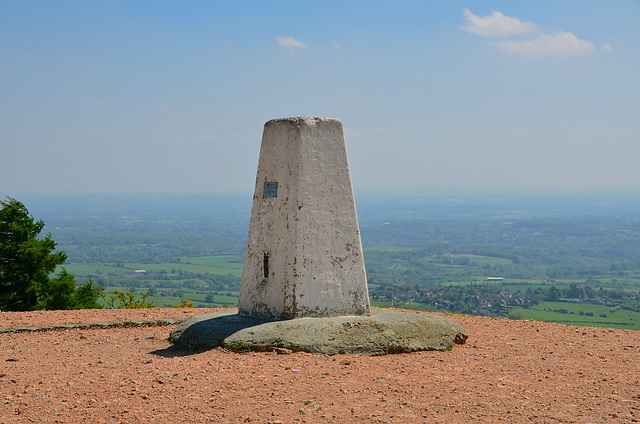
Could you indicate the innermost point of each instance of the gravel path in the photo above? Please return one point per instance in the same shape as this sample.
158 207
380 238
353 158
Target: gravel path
508 371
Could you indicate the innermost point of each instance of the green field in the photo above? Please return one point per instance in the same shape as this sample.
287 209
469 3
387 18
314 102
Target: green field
219 264
390 249
93 269
226 299
602 315
197 291
189 278
188 282
489 260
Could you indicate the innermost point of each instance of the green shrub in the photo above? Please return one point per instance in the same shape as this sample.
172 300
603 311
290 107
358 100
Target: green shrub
184 303
127 300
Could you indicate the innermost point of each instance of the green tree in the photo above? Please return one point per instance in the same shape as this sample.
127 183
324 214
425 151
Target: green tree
60 292
575 292
553 294
63 293
86 296
26 263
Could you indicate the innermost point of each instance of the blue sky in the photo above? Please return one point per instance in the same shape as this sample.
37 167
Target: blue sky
155 96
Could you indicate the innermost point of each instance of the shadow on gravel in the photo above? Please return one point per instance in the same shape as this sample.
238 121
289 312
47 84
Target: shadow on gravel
200 333
175 351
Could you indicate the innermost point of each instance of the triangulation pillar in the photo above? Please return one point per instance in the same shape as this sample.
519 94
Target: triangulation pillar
304 253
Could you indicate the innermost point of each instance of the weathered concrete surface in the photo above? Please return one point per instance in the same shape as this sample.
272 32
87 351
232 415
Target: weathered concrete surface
382 332
304 253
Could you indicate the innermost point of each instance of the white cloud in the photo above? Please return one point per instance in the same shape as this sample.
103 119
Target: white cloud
207 138
496 24
348 133
608 47
335 45
390 131
540 43
558 44
291 43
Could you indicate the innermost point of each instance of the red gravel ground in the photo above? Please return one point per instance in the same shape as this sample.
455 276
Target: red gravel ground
508 371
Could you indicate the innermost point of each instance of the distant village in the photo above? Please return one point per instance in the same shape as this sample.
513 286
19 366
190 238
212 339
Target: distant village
493 300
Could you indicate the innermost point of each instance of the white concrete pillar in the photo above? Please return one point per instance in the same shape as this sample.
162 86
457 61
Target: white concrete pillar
304 254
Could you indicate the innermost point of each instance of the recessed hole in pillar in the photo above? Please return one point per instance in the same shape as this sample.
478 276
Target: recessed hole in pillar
265 264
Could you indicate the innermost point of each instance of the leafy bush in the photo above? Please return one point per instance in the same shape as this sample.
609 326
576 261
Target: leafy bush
184 303
119 299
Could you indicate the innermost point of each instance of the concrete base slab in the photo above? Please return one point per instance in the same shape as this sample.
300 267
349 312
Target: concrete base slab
383 332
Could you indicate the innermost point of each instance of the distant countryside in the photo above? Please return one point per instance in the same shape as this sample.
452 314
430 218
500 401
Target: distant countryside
568 259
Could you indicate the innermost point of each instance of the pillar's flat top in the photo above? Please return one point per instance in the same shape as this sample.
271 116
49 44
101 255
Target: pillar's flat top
302 119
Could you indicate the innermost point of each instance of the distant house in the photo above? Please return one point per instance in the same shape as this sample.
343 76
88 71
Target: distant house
144 273
569 300
136 273
495 278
